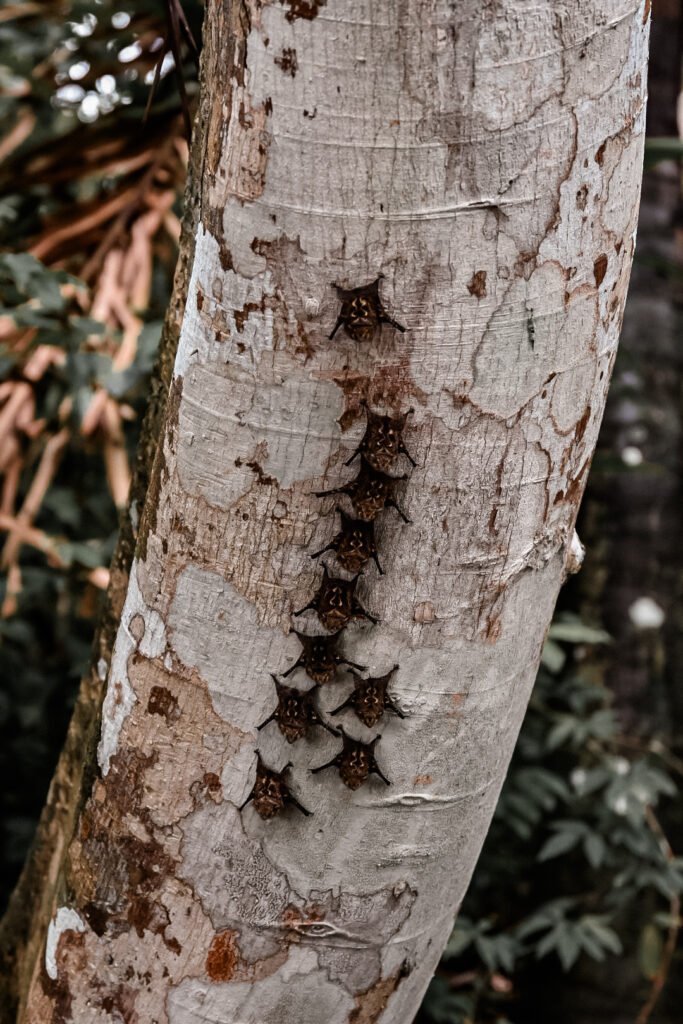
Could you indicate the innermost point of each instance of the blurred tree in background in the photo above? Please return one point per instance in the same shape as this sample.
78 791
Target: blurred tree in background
580 866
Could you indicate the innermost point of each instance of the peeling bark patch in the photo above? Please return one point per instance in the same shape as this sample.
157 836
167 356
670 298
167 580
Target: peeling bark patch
477 285
424 612
363 924
600 153
70 960
387 385
600 269
307 9
288 62
646 11
242 315
228 877
120 873
247 147
372 1003
223 956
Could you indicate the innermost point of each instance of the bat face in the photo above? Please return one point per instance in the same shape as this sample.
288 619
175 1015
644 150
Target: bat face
320 659
354 766
360 317
355 544
355 762
368 702
268 794
370 491
362 312
294 714
335 602
382 442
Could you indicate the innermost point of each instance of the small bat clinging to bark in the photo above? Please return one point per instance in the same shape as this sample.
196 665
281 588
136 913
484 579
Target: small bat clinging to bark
355 761
270 793
319 657
370 699
362 312
354 545
295 712
336 603
382 442
370 492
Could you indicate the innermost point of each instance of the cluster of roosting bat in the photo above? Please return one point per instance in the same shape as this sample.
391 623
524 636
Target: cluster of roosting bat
335 602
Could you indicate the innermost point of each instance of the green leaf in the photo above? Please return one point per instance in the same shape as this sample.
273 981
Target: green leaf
595 849
558 844
568 946
577 632
553 657
460 940
606 936
561 732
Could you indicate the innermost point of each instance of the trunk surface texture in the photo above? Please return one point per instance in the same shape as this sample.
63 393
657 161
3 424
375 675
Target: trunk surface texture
485 158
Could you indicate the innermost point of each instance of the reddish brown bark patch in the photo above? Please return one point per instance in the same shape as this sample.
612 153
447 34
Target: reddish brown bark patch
600 153
477 285
525 264
600 269
646 12
583 423
223 956
372 1003
71 959
242 315
389 387
118 874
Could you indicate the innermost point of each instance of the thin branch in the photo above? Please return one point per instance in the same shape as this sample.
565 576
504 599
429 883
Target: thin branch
174 34
659 980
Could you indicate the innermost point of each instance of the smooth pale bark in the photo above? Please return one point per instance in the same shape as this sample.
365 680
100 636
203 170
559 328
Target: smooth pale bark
486 159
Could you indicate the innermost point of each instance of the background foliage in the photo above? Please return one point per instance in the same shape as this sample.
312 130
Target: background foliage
578 868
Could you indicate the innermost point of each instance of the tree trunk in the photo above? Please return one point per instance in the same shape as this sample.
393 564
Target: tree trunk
485 158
